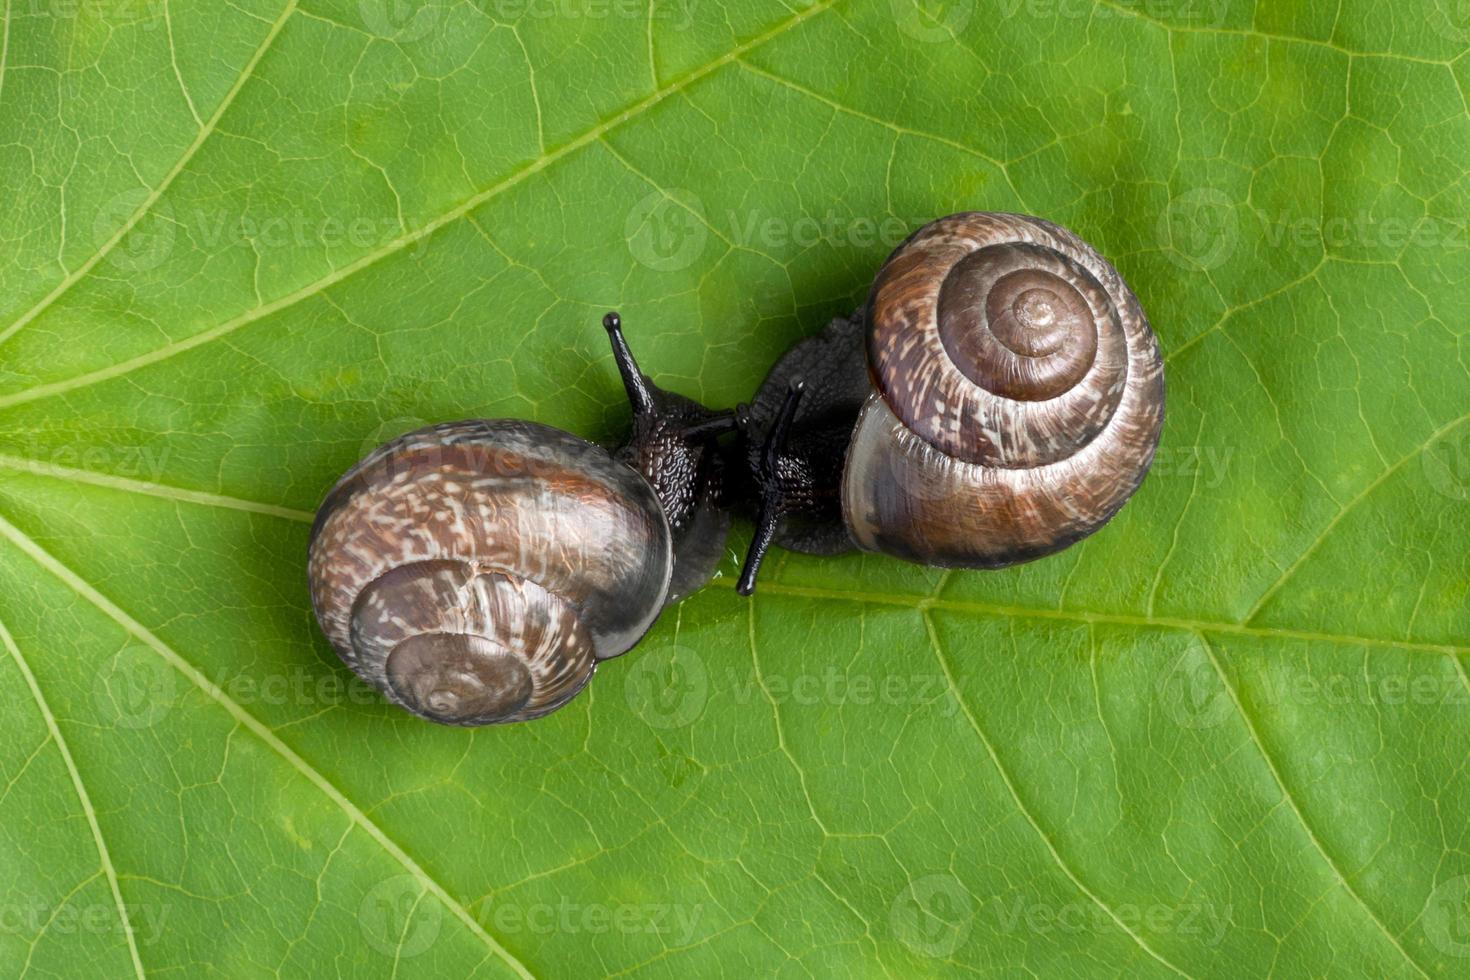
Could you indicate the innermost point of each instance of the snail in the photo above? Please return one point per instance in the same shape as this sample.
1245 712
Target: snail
476 572
999 397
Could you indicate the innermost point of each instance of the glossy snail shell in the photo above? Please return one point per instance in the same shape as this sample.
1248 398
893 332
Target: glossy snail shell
1019 395
476 572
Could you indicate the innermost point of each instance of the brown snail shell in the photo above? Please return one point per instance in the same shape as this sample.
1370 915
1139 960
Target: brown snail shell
1019 395
475 572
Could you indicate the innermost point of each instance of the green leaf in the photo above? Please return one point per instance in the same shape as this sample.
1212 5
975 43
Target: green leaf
244 242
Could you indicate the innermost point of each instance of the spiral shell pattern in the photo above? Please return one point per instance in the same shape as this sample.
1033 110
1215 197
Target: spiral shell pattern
475 572
1019 395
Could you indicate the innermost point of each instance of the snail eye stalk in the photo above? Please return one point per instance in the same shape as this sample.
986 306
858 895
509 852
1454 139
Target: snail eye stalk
773 488
673 444
640 392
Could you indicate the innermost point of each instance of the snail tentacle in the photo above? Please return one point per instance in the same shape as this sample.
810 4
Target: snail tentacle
672 444
779 475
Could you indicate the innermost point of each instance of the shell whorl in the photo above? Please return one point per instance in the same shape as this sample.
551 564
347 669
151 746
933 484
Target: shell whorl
1019 395
475 572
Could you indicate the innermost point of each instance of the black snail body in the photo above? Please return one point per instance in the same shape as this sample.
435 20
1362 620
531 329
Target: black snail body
999 397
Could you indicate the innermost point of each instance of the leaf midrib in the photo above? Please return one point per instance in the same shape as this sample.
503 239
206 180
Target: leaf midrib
1084 617
908 600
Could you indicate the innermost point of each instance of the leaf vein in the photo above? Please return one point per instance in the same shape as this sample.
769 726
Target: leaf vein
205 132
4 43
1342 512
1145 17
150 488
222 501
1081 617
1025 811
103 855
87 591
776 715
403 241
1296 810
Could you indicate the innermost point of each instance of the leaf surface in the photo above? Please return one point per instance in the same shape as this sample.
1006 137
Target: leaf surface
246 242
